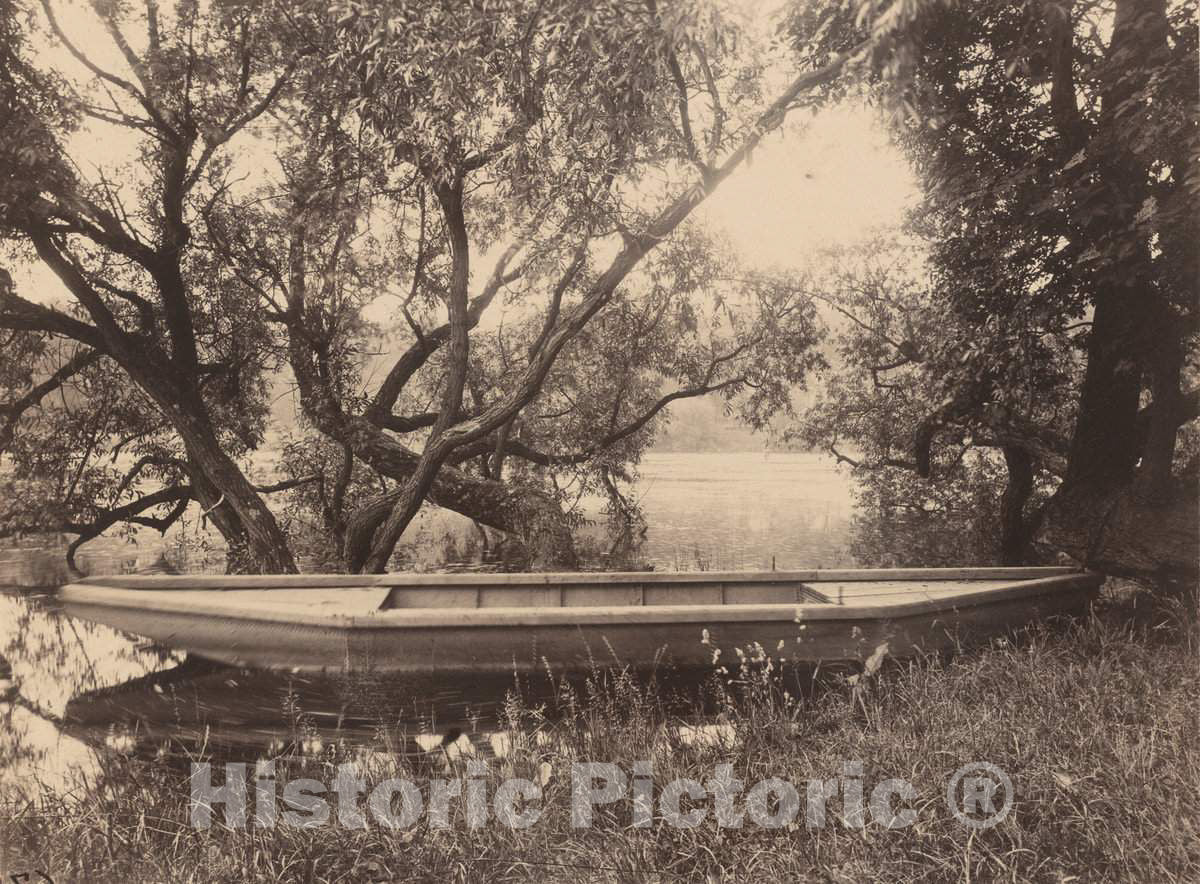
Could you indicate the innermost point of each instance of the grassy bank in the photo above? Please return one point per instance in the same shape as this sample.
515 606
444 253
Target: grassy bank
1096 725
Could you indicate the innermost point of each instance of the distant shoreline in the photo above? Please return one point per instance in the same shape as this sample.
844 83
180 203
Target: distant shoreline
668 450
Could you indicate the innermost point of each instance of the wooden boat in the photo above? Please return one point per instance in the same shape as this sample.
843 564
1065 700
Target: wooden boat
438 623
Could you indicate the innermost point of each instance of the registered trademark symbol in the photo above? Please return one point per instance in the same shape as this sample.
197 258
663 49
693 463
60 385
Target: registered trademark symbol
980 795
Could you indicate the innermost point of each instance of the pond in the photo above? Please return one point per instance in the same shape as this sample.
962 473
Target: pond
78 691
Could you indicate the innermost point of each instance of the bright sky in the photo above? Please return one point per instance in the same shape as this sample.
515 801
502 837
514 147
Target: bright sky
821 181
831 183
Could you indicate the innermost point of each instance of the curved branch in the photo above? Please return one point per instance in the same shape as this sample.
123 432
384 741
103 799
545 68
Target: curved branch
124 85
11 411
922 442
681 99
418 354
897 463
130 512
115 338
634 249
288 484
22 315
236 124
408 424
519 449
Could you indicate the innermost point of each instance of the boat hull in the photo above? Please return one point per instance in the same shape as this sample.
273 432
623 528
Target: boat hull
429 640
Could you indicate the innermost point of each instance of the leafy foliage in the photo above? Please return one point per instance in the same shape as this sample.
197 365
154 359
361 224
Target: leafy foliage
301 182
1057 294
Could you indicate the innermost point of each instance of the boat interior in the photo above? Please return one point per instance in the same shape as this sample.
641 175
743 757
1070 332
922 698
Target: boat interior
359 595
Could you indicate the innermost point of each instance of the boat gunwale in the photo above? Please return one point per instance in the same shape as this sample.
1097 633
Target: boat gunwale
83 594
158 582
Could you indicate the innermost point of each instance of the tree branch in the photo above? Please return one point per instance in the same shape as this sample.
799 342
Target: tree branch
288 484
124 85
11 411
411 361
685 118
520 449
634 249
131 512
20 314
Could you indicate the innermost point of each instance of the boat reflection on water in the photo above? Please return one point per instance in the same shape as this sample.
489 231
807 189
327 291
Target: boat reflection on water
430 664
82 692
228 713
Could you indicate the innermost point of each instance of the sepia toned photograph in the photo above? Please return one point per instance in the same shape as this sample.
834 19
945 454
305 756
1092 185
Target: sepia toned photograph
599 441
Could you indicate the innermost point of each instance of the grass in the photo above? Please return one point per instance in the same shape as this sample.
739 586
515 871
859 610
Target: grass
1096 725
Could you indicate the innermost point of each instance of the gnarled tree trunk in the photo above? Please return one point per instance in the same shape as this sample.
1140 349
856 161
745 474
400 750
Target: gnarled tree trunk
526 514
1120 509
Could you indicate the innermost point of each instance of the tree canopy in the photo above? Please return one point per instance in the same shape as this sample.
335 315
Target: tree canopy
461 233
283 171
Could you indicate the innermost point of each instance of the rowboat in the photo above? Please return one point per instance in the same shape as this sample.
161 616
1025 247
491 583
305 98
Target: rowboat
441 623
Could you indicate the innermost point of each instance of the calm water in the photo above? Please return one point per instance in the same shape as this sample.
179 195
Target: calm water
78 690
742 511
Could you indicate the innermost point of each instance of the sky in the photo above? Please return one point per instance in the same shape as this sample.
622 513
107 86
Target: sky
827 178
829 182
831 179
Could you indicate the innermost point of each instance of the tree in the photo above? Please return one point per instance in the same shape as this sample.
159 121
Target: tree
1053 141
143 298
62 436
563 160
409 142
901 410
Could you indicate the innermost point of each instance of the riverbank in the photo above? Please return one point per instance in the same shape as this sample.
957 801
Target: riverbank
1094 725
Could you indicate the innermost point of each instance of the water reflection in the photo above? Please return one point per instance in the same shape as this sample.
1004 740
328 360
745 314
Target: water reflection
240 713
83 692
50 659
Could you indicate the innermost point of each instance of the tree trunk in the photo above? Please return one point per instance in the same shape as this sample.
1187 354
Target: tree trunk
416 487
225 519
534 518
1119 509
1166 370
1015 529
1127 533
531 516
256 543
